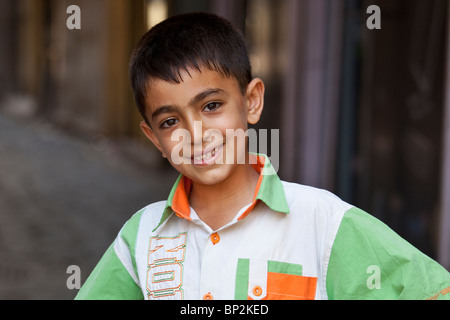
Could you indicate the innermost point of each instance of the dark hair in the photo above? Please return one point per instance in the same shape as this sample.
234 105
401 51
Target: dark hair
193 40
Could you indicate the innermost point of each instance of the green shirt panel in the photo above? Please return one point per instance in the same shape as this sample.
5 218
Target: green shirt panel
370 261
110 281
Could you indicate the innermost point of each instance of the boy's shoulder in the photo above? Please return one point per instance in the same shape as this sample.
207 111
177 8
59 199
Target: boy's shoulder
153 207
303 197
151 214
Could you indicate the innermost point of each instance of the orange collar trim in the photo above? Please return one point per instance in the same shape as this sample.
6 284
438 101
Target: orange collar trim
268 189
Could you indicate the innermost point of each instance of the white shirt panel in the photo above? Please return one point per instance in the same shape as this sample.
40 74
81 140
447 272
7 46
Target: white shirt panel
304 237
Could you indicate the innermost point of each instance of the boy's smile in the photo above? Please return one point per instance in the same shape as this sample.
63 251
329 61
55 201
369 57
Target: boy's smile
208 156
190 122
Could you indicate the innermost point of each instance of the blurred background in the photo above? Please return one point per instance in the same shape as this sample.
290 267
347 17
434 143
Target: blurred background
363 113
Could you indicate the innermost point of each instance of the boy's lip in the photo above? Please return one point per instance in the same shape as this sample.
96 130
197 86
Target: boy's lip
207 156
204 152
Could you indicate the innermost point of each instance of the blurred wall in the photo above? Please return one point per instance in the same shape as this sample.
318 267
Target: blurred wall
359 111
398 163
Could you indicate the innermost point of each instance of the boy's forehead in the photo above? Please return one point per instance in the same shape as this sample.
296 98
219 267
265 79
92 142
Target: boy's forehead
161 92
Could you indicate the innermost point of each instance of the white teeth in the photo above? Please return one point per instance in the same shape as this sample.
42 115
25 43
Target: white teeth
206 156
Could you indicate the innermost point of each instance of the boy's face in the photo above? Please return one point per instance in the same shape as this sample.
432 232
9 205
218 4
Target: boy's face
195 123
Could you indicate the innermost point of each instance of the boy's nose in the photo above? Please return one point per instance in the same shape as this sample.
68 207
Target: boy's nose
195 129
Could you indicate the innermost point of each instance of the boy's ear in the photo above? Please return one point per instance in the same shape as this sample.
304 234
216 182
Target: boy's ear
255 100
148 132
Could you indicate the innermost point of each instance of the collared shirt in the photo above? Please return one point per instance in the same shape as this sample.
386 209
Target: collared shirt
291 242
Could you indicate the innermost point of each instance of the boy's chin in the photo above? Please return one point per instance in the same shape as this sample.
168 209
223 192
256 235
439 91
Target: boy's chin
209 176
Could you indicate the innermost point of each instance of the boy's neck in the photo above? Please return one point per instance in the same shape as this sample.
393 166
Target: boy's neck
218 204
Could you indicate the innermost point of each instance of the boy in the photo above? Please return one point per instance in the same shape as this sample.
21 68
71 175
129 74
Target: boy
230 228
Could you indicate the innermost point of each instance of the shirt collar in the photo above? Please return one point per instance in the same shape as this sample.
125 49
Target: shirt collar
269 190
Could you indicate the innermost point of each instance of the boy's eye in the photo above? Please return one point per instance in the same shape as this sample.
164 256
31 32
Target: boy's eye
213 106
169 123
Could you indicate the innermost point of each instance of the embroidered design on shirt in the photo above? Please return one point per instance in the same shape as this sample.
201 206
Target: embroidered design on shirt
165 267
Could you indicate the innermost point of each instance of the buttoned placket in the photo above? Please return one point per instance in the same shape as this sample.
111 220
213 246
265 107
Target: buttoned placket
212 257
208 265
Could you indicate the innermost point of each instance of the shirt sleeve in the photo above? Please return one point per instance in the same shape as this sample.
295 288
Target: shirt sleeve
370 261
110 280
115 276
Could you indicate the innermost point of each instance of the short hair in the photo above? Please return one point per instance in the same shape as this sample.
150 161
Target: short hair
188 41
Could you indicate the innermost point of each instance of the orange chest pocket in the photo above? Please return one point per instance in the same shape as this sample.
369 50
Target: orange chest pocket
272 280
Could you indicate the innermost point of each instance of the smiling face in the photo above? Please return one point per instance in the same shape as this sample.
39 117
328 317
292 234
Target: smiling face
197 121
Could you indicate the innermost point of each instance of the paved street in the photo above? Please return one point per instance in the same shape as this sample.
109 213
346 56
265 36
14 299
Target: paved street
62 202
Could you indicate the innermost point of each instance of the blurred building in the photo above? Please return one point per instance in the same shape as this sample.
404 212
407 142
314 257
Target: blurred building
361 112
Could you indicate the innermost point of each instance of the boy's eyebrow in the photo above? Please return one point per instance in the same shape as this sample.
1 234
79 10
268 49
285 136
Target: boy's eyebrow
204 95
164 109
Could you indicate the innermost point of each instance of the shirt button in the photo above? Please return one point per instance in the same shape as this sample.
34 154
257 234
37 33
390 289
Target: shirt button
257 291
208 296
215 238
